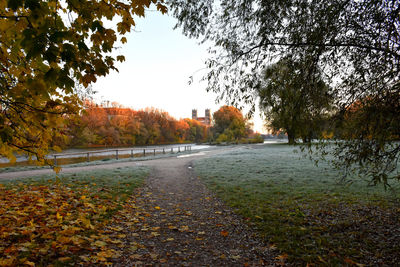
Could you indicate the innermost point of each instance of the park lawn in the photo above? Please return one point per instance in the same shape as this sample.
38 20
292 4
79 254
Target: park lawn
65 219
303 211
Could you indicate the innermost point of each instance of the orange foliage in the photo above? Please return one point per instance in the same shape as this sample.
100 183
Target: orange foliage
118 126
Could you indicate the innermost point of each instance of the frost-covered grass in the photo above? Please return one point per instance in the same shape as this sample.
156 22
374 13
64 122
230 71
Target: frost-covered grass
303 210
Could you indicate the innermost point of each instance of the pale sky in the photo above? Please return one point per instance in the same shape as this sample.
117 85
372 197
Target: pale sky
159 62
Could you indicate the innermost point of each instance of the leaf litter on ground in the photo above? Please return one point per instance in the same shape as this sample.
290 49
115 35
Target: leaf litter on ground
68 219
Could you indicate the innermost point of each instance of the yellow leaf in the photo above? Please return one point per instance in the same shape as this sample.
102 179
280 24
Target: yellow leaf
99 243
64 259
58 216
29 263
106 253
157 208
184 228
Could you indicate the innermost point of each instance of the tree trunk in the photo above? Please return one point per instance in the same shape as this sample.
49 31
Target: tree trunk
291 138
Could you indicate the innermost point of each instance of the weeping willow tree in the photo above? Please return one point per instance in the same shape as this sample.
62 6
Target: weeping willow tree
295 99
355 44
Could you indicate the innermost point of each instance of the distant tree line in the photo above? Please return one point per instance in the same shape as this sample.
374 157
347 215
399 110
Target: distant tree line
118 126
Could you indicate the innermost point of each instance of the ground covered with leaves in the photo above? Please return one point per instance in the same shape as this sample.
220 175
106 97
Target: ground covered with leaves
65 219
303 211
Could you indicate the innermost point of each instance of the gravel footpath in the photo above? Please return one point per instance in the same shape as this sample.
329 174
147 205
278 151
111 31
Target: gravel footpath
187 226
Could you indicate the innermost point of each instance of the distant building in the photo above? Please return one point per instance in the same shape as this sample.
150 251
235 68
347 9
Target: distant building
206 120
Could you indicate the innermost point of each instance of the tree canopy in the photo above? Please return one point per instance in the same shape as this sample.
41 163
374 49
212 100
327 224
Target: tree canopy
46 48
229 124
294 99
118 126
355 44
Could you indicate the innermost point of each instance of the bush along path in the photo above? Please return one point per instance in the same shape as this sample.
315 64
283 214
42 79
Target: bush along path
175 221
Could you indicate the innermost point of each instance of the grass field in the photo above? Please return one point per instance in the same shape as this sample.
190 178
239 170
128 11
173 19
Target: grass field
303 211
64 219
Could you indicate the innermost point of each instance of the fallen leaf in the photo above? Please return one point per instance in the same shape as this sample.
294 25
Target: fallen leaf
136 256
64 259
29 263
184 228
224 233
99 243
154 234
282 257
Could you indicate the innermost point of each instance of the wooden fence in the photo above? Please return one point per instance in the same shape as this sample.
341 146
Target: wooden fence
123 151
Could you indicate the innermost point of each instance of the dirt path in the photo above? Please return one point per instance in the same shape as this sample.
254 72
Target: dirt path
187 226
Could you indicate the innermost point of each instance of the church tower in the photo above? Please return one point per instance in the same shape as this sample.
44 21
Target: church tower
194 114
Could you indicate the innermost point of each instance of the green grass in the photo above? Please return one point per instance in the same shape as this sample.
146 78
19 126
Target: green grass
303 210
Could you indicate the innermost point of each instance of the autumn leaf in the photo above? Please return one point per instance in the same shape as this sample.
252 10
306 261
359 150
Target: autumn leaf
183 228
282 257
58 216
224 233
